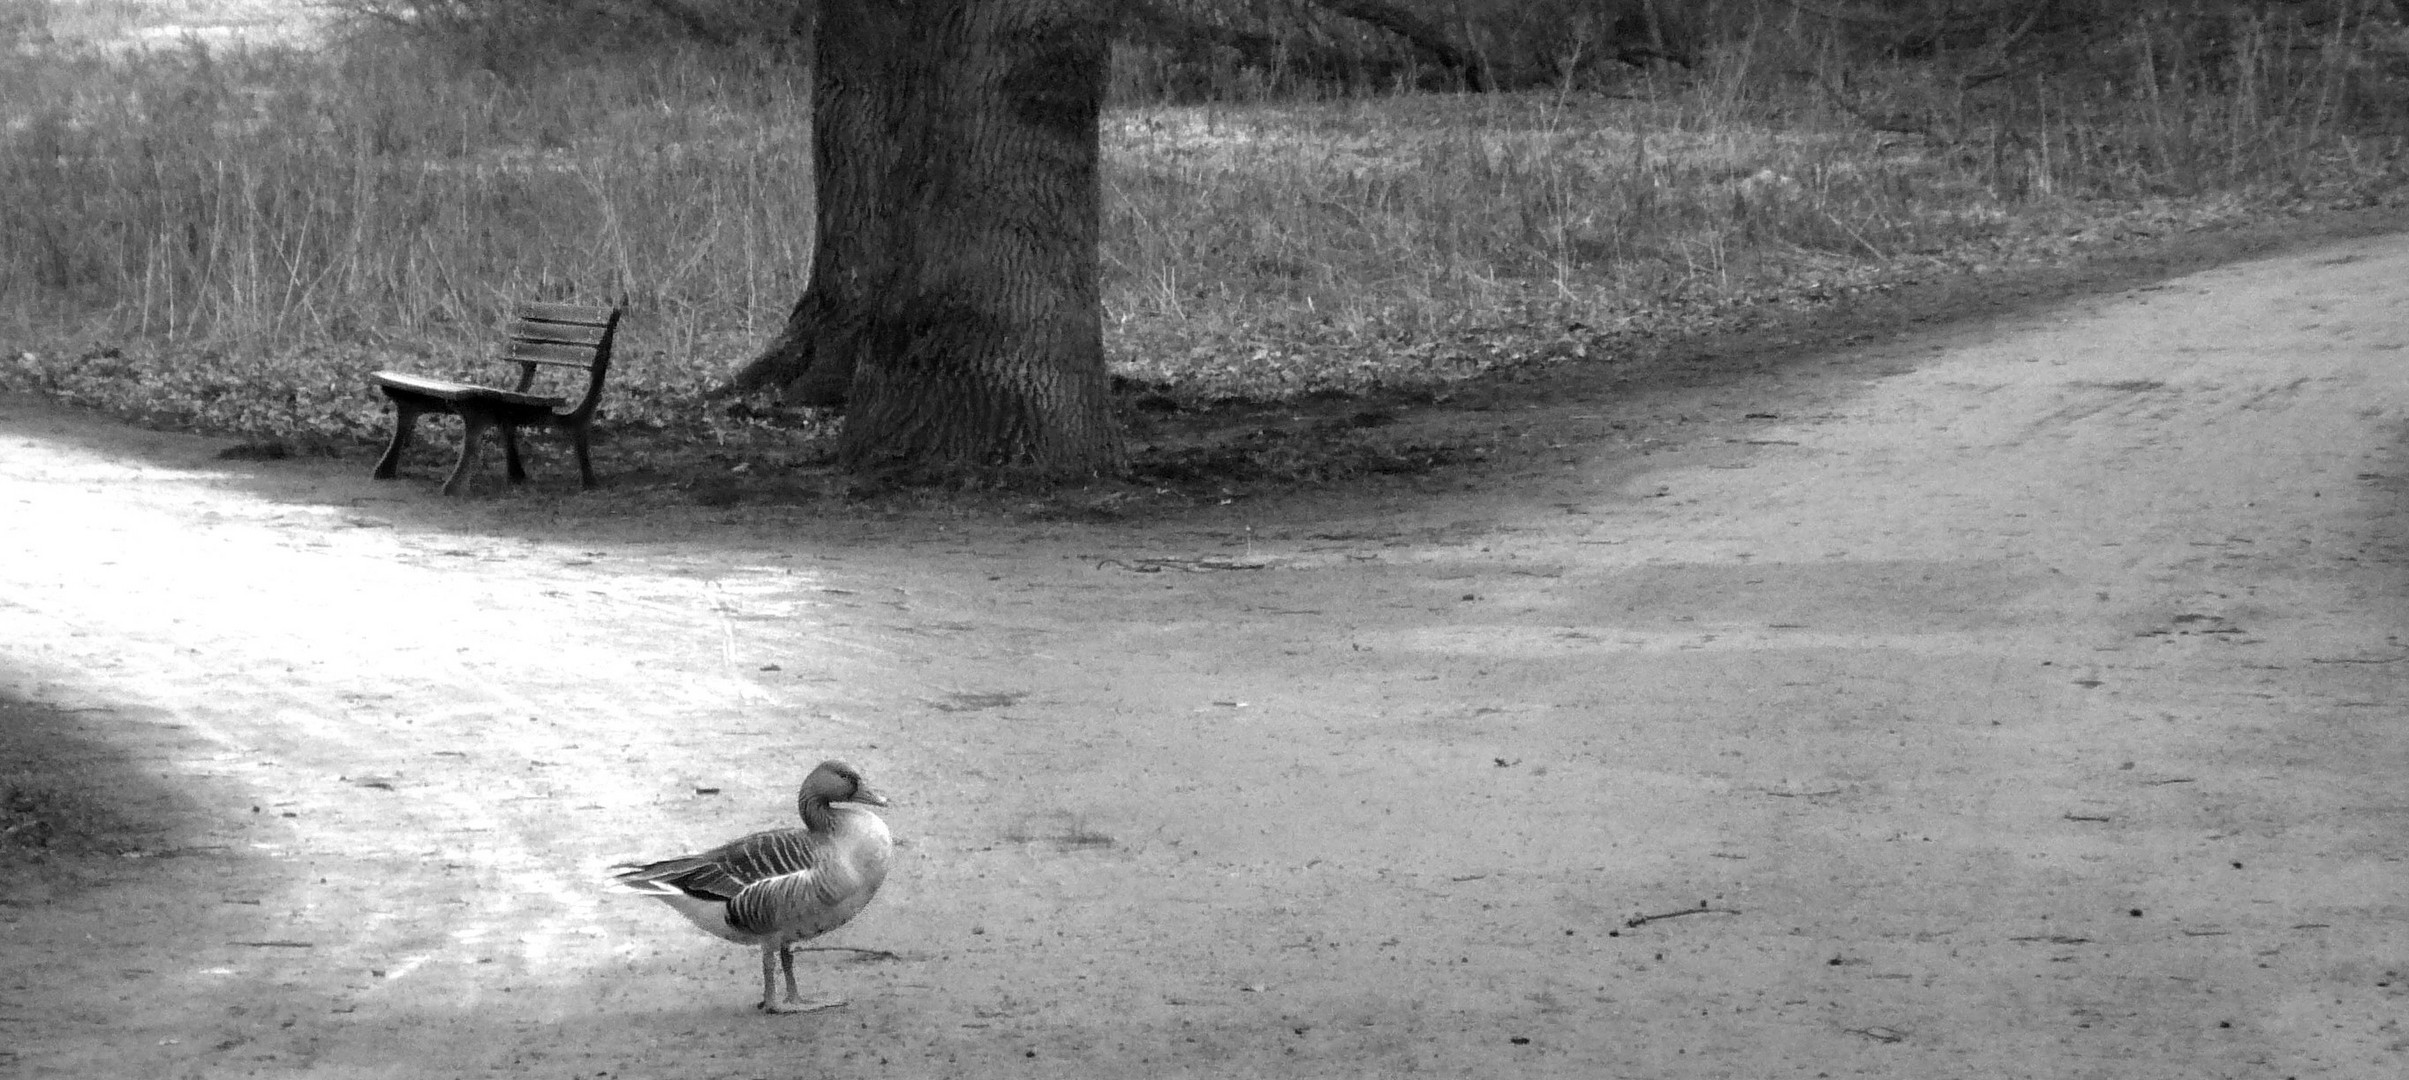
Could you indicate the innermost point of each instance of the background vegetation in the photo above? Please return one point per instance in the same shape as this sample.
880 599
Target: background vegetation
226 232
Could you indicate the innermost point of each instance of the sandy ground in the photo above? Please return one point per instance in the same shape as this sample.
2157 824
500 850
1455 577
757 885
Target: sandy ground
2020 699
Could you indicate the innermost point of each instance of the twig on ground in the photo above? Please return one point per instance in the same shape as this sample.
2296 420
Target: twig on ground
170 853
866 954
1193 566
1701 909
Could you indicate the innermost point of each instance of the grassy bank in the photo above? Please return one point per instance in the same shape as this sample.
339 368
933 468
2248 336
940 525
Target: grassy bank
226 236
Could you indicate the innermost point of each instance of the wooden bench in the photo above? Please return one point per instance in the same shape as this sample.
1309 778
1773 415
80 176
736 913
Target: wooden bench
541 335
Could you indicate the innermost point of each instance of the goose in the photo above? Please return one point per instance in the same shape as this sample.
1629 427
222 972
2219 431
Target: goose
776 888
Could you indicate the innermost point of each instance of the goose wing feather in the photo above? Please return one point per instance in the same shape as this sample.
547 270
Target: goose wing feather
834 883
724 871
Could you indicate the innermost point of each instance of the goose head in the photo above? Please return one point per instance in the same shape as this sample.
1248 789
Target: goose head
835 782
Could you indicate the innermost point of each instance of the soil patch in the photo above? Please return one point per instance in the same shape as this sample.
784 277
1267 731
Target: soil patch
2015 696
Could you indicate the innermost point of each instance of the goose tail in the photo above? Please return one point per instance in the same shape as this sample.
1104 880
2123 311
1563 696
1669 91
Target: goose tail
658 880
651 879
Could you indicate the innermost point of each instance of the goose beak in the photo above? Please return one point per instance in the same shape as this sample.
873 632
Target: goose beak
863 794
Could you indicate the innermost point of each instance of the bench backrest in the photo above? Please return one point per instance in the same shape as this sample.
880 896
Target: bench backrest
563 335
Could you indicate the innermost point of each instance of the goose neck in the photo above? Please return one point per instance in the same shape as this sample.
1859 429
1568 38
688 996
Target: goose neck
818 816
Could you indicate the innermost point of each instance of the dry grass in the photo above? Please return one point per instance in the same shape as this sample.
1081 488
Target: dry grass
250 228
228 236
1347 244
1285 248
144 23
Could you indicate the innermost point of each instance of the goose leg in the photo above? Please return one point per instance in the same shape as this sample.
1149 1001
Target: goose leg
769 978
794 1002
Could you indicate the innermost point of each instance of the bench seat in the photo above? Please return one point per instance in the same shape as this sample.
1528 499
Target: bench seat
448 390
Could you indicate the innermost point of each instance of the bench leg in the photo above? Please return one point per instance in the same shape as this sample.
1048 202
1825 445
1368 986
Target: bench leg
585 455
510 454
472 432
404 418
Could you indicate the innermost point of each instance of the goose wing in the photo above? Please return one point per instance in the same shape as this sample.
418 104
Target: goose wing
726 871
834 877
787 884
705 887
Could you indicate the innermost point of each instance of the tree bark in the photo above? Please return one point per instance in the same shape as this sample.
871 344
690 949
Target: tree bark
954 306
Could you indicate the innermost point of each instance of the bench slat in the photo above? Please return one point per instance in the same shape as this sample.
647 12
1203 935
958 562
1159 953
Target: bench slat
538 352
450 390
424 384
565 313
565 333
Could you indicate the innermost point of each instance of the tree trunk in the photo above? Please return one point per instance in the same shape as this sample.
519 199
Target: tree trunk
954 306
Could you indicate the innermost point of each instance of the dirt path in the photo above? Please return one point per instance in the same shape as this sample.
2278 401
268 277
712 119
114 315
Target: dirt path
2020 701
